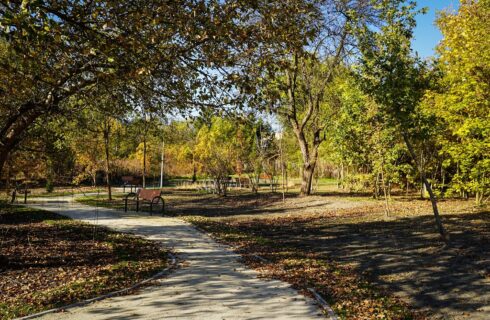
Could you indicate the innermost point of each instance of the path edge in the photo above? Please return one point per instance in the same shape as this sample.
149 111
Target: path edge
318 298
173 264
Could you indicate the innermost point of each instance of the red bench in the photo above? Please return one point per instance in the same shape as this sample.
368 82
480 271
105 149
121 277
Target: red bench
145 196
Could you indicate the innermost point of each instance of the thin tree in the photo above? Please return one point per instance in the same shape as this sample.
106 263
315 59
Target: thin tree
397 80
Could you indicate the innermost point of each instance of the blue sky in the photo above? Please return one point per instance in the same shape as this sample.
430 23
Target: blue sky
427 35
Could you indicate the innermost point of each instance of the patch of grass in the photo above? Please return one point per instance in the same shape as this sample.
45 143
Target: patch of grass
117 202
49 260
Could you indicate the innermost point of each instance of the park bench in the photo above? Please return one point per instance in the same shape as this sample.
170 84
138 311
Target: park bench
145 196
131 182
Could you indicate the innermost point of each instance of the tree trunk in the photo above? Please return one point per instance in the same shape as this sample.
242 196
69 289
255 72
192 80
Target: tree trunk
194 170
310 157
107 159
376 187
7 177
408 185
144 162
307 178
385 194
433 200
3 159
15 126
342 175
478 198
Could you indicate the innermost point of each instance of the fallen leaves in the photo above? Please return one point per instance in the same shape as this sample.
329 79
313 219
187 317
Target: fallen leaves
294 249
49 261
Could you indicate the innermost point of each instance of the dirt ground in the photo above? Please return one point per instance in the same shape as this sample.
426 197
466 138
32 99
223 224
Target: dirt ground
400 252
261 205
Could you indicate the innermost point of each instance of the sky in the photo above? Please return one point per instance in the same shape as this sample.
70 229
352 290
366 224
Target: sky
427 35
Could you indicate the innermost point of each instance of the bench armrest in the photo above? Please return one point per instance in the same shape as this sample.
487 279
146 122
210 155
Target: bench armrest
131 194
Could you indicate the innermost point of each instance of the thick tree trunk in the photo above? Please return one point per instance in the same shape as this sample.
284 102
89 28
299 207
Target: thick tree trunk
433 200
307 178
310 157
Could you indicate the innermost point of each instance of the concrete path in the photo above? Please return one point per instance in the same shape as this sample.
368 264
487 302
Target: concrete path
211 284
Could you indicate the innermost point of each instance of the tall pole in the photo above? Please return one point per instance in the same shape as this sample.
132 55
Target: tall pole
161 164
282 166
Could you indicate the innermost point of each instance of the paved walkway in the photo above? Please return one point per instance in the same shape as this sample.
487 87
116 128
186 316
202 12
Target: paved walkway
211 284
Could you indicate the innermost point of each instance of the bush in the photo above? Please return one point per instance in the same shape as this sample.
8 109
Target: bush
49 186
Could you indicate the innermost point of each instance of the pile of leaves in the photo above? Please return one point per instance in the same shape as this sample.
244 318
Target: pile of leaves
48 261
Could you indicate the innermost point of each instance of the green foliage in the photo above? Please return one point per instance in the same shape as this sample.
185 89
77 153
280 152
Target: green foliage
217 150
49 186
462 104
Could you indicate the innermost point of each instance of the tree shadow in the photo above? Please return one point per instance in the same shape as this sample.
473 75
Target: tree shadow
404 256
209 205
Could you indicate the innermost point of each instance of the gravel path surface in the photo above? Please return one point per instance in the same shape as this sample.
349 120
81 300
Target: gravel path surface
210 284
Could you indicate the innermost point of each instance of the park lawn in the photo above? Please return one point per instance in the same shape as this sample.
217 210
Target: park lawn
62 193
116 203
48 260
368 266
101 200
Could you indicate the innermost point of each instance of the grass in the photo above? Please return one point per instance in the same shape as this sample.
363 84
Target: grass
101 200
117 203
50 261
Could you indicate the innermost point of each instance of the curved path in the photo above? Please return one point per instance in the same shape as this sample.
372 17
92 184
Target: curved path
211 283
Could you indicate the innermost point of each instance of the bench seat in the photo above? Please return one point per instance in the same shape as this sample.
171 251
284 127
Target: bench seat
149 197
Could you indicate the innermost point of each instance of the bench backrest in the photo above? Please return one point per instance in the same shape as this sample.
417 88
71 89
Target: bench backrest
131 180
148 194
127 179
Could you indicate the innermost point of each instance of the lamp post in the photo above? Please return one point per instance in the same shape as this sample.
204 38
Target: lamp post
161 163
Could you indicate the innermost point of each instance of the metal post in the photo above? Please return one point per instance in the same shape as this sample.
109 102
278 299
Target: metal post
161 164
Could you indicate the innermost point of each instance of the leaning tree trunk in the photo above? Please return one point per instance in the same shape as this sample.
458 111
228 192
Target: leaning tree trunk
433 200
15 126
